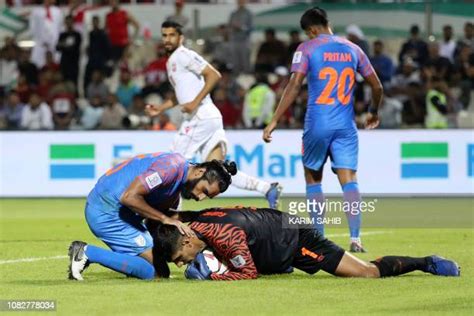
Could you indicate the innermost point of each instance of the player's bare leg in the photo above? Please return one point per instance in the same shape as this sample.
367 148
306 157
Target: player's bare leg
350 188
387 266
351 266
217 152
243 181
314 192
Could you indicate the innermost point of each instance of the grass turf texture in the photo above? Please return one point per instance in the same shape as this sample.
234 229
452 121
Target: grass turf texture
44 228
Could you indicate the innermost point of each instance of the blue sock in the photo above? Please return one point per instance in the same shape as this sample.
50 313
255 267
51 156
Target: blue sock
130 265
314 192
352 196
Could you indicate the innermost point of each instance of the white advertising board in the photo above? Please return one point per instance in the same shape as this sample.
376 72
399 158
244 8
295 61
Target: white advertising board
67 164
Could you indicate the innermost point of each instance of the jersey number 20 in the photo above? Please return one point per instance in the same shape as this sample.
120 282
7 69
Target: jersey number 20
336 79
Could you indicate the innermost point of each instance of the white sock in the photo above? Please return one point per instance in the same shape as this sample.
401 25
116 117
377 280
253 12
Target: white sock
246 182
356 240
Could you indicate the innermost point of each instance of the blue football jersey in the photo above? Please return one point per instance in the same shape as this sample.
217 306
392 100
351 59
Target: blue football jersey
162 175
330 64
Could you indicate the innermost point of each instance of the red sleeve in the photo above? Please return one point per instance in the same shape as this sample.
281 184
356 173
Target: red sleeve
230 244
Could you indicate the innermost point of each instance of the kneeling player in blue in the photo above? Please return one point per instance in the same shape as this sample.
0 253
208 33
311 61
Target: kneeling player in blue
254 241
145 187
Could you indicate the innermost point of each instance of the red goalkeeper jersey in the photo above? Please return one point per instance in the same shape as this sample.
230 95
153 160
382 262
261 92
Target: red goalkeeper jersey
250 241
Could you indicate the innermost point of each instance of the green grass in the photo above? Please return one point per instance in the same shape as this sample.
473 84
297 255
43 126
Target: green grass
44 228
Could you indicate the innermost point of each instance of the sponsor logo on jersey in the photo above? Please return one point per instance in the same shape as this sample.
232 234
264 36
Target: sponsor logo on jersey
238 261
153 180
297 57
140 241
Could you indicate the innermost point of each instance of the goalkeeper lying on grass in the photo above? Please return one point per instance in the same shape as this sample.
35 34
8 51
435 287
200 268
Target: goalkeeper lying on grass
255 241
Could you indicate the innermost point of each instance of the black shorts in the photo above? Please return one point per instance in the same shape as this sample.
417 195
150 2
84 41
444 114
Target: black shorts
316 253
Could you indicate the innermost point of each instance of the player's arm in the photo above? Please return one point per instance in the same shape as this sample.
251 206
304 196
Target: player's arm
155 110
232 243
289 96
365 68
211 78
134 199
372 120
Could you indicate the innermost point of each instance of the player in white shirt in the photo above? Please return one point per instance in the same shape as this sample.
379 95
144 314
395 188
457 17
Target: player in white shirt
202 131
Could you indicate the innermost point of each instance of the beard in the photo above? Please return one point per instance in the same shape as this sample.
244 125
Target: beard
169 49
187 190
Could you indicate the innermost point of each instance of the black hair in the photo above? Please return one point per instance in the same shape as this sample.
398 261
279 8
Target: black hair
218 170
178 27
261 76
447 26
378 42
314 17
166 240
270 31
294 32
414 29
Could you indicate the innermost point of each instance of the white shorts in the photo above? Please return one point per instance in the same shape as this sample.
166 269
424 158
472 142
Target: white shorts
199 137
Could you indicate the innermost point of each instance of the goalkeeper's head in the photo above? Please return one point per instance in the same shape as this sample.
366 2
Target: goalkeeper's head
175 247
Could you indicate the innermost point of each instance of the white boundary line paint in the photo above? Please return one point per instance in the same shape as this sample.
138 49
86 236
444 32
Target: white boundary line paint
64 257
31 259
381 232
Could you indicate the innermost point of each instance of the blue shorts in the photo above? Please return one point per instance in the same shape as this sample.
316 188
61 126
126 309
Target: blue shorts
341 145
122 230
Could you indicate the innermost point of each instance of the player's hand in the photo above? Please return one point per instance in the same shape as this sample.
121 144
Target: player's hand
371 121
267 132
183 229
152 110
189 107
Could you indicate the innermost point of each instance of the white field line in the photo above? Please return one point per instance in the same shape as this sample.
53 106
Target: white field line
64 257
379 232
31 259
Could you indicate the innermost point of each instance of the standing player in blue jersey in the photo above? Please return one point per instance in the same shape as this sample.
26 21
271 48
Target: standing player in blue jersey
146 186
330 64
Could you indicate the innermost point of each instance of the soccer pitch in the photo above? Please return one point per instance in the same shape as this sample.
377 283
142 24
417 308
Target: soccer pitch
35 235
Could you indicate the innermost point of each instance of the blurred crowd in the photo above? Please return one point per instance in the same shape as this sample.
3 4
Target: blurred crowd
49 88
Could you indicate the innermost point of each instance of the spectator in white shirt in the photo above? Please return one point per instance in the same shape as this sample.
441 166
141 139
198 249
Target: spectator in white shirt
92 111
36 115
45 24
8 68
448 45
